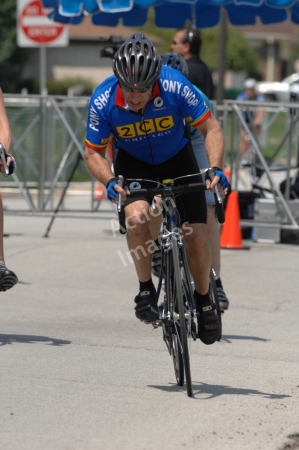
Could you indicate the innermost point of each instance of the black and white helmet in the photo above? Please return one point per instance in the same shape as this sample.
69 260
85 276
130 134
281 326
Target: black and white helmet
137 64
176 62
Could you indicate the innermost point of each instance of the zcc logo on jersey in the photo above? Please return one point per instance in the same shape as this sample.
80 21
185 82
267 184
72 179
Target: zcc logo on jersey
145 127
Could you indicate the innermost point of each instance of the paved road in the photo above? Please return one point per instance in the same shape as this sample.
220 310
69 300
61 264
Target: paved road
79 372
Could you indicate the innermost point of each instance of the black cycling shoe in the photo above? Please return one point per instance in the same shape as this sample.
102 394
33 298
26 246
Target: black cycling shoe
7 279
147 306
222 298
208 323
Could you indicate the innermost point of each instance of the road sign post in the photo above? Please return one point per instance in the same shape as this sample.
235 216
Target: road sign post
34 29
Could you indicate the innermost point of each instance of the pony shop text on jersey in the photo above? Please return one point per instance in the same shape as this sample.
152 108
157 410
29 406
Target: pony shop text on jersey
159 133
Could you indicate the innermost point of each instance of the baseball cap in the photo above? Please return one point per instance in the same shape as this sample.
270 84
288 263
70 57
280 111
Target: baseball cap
250 83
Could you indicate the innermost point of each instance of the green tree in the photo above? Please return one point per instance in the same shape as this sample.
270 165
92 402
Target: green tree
239 54
12 58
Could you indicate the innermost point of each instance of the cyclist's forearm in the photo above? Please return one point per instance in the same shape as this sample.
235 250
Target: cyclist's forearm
259 118
5 132
215 149
214 141
98 165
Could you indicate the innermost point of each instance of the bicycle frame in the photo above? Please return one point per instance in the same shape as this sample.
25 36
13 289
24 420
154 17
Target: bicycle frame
177 312
176 315
171 227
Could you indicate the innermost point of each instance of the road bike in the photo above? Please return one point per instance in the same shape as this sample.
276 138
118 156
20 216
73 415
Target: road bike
177 309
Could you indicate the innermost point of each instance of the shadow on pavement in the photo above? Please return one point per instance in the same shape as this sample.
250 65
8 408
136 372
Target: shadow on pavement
226 338
13 338
293 443
203 391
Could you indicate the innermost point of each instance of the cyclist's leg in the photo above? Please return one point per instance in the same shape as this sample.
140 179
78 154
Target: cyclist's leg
192 210
197 140
199 259
214 238
139 222
200 153
215 299
198 254
139 238
245 142
7 277
156 218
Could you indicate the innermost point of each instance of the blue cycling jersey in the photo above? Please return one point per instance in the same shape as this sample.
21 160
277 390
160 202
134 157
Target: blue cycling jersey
205 99
157 135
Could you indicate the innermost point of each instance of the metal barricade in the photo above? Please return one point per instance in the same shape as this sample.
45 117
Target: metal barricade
49 132
48 135
271 156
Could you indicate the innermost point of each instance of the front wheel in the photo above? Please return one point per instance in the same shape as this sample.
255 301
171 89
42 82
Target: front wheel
177 359
179 305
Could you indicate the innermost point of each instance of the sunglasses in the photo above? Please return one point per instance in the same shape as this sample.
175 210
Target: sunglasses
140 91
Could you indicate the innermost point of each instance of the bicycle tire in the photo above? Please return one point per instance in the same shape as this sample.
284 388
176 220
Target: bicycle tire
177 358
188 297
170 334
178 296
214 297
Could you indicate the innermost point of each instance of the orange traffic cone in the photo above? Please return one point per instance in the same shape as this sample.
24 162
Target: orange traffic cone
231 234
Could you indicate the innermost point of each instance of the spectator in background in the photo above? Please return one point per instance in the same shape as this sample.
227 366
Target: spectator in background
7 278
253 117
187 43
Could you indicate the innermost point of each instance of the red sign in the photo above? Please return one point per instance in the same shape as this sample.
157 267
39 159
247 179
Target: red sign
36 26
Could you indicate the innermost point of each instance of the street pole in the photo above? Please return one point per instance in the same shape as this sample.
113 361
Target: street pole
42 128
221 56
43 70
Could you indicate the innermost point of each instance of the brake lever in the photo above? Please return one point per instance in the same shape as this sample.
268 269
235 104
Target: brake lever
120 182
218 199
120 210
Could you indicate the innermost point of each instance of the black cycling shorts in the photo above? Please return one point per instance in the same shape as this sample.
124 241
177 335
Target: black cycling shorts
192 206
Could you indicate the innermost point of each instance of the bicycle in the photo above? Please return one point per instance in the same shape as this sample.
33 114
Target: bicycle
177 311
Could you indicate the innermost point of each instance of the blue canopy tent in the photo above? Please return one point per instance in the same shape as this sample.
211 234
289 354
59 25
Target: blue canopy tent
175 13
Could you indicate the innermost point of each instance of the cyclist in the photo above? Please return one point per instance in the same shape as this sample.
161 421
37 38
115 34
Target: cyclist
143 105
253 118
177 62
7 277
